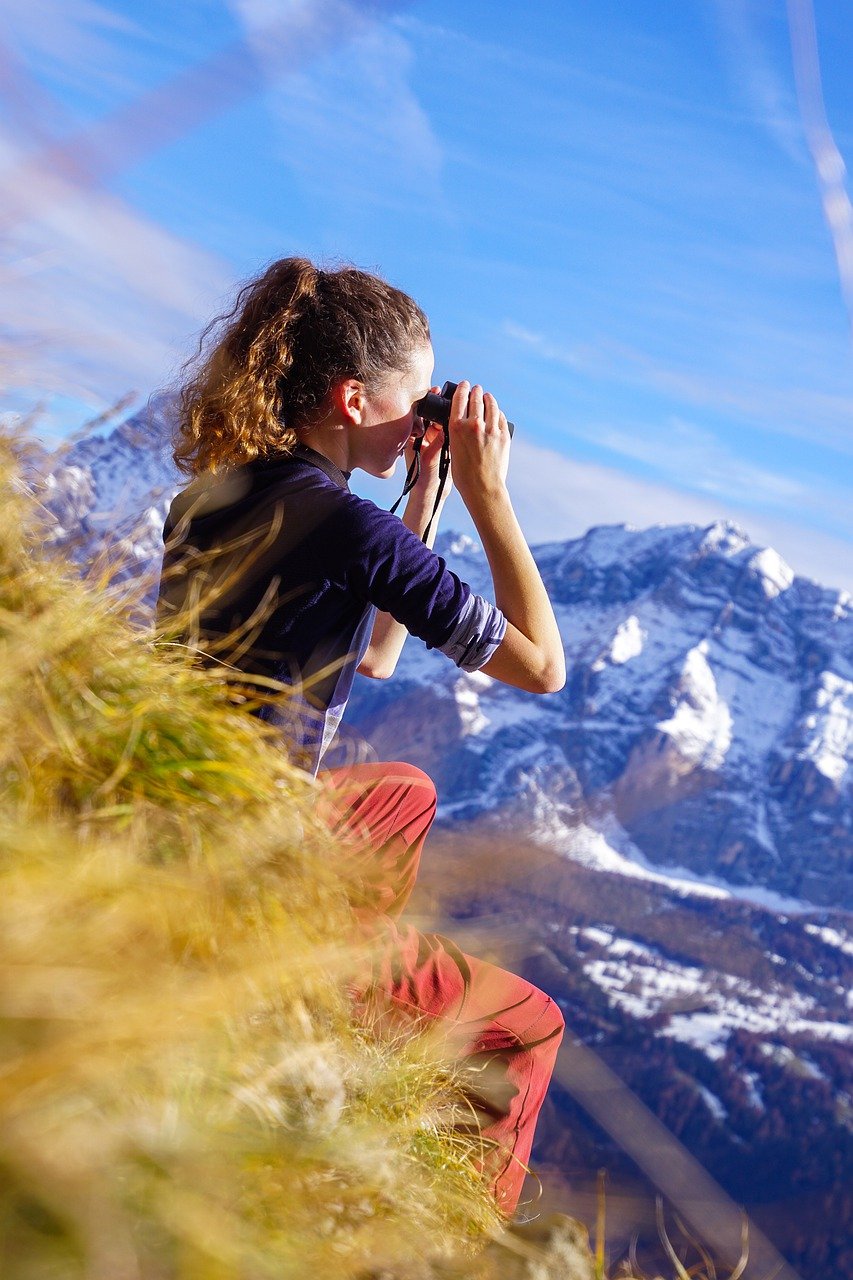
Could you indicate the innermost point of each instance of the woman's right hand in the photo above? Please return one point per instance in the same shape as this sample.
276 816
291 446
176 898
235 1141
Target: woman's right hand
479 443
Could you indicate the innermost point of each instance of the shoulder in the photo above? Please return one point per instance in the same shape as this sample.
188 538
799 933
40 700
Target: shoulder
207 494
366 520
376 535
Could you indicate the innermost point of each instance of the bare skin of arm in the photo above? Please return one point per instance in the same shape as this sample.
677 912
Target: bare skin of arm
530 656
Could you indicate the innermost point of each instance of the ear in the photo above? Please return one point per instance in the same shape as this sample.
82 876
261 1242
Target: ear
348 399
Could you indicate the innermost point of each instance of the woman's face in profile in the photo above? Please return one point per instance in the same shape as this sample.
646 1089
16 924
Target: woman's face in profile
389 419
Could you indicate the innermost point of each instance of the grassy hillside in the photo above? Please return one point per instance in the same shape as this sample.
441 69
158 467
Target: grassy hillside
184 1091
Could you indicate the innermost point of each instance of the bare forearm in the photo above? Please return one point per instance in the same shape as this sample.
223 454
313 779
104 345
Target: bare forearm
519 591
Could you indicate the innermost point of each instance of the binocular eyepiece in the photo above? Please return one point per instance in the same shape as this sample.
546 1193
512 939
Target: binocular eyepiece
436 408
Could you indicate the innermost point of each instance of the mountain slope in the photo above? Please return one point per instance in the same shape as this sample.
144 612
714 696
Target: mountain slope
706 722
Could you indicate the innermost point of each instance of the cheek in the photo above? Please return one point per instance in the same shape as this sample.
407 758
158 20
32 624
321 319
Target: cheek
402 419
391 411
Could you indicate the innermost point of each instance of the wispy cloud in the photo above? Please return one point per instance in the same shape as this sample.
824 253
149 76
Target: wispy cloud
758 74
97 297
829 165
791 409
352 124
688 454
217 80
80 45
98 300
789 110
559 498
463 48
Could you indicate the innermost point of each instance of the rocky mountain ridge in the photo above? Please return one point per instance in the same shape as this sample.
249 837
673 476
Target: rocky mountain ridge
706 722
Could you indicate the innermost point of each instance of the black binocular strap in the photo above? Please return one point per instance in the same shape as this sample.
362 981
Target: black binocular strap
414 472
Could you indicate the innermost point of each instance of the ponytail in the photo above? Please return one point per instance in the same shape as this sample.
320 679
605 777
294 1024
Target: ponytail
291 334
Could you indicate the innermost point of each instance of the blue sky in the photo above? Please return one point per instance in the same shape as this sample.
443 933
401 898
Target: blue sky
610 212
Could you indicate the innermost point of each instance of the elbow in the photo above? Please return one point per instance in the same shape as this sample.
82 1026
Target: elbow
551 676
552 682
375 670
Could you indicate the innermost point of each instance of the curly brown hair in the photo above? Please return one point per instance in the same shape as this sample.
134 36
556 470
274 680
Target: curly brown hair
292 333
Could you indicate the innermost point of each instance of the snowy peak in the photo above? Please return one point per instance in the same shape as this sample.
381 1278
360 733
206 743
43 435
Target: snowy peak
707 709
773 573
724 537
717 561
113 491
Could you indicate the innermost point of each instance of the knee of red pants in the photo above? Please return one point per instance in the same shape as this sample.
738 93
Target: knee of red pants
508 1009
363 792
536 1041
484 1009
393 809
553 1022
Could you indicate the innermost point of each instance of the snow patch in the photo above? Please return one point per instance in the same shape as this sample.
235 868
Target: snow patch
594 934
753 1090
466 692
842 606
461 544
799 1063
832 937
705 1031
829 726
713 1103
701 723
607 847
702 1006
627 643
774 574
763 834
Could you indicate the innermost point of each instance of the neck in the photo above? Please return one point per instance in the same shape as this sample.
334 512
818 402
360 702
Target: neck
331 441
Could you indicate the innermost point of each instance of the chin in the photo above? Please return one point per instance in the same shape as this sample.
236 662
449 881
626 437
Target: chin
387 473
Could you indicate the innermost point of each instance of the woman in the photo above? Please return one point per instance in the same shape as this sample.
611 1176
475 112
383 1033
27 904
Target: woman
289 577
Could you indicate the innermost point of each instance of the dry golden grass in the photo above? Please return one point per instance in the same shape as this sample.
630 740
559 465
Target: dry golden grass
183 1089
185 1093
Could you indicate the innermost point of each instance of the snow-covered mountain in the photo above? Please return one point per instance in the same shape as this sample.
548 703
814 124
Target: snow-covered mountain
706 722
112 492
707 719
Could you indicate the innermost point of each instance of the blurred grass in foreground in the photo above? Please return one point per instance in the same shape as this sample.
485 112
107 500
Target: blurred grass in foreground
184 1092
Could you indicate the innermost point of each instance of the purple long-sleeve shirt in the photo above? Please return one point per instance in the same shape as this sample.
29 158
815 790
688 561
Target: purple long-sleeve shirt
282 569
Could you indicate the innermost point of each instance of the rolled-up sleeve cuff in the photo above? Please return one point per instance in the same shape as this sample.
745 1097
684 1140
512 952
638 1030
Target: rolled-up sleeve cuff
478 633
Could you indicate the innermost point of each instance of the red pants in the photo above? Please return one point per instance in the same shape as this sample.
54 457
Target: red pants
501 1027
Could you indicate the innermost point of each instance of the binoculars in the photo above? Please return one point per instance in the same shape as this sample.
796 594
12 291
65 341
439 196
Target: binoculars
436 408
